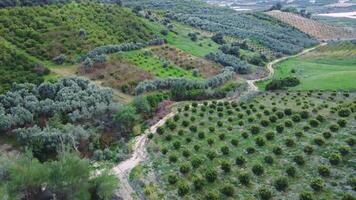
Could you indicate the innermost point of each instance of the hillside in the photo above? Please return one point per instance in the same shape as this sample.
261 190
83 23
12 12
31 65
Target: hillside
295 145
254 27
331 67
49 31
313 28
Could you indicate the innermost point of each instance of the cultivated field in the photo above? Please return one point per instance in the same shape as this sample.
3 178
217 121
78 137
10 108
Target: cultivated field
276 145
313 28
331 67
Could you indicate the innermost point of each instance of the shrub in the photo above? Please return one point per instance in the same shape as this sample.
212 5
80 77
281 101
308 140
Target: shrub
299 160
324 170
317 184
260 141
344 150
265 194
298 134
344 112
176 145
196 161
240 160
281 184
288 123
198 183
264 122
277 150
335 158
183 188
279 128
210 141
184 168
201 135
258 170
228 190
308 149
273 119
314 123
234 142
244 135
254 129
341 122
268 159
173 158
211 155
348 197
250 150
212 195
334 127
296 118
211 175
269 135
319 141
172 179
320 118
289 142
244 179
280 114
327 135
225 150
306 196
222 136
291 171
304 114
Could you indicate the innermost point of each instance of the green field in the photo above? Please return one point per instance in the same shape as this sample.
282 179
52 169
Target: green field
332 67
232 150
181 40
145 60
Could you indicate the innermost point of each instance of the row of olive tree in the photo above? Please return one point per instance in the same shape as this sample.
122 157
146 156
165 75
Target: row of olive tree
184 83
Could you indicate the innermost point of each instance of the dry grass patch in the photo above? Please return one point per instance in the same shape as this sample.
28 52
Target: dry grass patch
313 28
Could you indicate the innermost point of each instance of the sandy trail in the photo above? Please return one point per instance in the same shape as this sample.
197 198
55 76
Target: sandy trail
123 169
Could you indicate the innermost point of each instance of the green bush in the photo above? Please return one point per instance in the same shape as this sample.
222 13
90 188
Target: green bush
228 190
183 188
324 170
225 150
291 171
225 166
234 142
270 135
319 141
211 175
260 141
240 160
198 183
281 184
254 129
268 159
211 154
299 160
317 184
279 128
327 135
344 150
212 195
308 149
342 122
348 197
314 123
258 170
172 179
250 150
306 196
196 161
244 179
265 194
335 158
277 150
184 168
173 158
289 142
344 112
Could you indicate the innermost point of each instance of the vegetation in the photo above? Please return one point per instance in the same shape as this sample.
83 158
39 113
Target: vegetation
238 152
26 177
66 31
329 67
257 27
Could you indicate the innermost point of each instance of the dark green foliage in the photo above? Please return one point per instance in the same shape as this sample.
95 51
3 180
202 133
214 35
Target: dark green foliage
211 175
198 183
260 141
265 194
258 170
319 141
344 112
268 159
244 179
281 184
270 135
183 188
49 31
279 128
306 196
283 83
172 179
299 159
324 170
225 166
212 195
240 160
277 150
291 171
225 150
228 190
196 161
308 149
184 168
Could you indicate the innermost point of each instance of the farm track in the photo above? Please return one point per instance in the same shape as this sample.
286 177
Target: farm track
123 169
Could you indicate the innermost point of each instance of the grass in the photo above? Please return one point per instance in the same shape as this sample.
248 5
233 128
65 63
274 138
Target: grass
237 120
329 68
181 40
145 60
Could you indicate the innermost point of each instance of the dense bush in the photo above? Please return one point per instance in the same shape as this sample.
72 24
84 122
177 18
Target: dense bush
281 184
283 83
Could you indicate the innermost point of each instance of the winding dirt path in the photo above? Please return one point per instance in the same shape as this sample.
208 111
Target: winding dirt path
123 169
252 83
